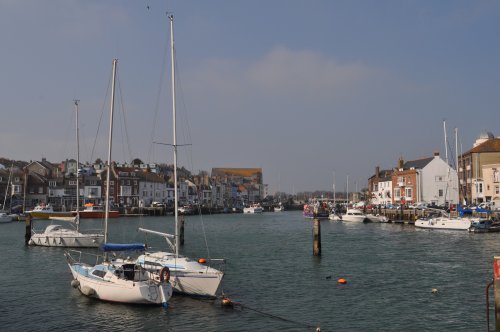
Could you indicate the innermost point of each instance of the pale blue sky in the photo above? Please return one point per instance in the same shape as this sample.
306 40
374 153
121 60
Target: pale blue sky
300 88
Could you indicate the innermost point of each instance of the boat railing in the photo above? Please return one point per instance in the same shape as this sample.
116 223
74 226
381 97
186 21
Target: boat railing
75 256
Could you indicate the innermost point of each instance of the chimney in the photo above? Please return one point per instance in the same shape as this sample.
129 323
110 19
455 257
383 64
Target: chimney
377 172
400 163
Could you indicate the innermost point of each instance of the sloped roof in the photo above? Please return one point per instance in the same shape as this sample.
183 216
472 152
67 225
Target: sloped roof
417 164
237 171
491 145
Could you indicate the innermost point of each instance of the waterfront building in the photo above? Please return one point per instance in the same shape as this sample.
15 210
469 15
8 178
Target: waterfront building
152 188
485 151
380 187
425 180
491 178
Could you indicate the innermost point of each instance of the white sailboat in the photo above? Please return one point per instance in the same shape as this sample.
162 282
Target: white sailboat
114 279
68 235
188 276
445 221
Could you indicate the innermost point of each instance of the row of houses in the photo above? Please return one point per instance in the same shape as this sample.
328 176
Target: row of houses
131 185
433 180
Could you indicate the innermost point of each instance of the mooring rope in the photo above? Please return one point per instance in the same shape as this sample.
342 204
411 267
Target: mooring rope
284 319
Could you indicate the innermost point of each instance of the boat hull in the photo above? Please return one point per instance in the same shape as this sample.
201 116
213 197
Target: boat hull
47 215
320 215
114 289
188 277
98 214
444 223
76 240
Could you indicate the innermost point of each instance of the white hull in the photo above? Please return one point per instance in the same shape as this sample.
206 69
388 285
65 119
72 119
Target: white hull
57 236
353 215
444 223
188 277
378 218
353 218
114 289
4 218
334 217
253 210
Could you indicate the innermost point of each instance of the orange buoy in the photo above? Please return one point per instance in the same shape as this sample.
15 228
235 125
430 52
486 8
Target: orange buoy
342 281
226 302
202 260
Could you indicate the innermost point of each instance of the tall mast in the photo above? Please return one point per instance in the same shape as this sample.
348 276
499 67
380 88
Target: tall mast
445 143
333 188
174 124
456 164
110 140
77 221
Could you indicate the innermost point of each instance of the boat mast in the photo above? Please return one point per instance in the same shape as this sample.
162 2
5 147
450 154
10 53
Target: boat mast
77 220
7 189
174 124
110 140
333 186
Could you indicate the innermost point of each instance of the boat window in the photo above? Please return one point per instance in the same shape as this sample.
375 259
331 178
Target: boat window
99 273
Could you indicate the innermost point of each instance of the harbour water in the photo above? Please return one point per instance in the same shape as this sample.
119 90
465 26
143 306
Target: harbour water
390 270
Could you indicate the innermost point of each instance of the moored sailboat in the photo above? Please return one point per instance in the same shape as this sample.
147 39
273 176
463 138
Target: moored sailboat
118 279
189 277
56 235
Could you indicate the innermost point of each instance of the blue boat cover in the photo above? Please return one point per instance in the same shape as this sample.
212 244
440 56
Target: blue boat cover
122 246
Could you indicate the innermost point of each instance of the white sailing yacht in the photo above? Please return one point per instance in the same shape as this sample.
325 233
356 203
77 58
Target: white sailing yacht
68 235
446 221
189 277
115 279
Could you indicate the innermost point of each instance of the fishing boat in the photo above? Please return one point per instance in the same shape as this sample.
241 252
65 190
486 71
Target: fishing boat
253 208
117 279
317 210
69 234
45 211
189 277
96 211
353 215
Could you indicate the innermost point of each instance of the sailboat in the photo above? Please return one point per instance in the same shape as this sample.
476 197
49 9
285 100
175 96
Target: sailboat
4 215
118 279
56 235
446 221
189 277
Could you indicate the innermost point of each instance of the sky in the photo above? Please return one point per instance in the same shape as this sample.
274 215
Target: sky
313 92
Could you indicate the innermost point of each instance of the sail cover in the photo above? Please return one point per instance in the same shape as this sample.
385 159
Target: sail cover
122 246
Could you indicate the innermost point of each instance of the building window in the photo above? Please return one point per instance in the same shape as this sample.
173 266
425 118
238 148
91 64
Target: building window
440 193
52 184
497 190
496 176
408 193
397 193
40 190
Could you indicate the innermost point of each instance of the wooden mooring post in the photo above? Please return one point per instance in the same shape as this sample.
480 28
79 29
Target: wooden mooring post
27 232
181 230
496 289
316 237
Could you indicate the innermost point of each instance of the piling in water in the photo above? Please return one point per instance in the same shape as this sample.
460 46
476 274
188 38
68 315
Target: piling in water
181 230
27 233
316 237
496 287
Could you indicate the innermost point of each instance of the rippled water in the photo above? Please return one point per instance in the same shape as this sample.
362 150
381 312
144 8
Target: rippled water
390 268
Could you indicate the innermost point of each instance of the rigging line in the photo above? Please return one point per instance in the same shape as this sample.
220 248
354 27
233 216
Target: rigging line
101 116
187 127
123 125
157 103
